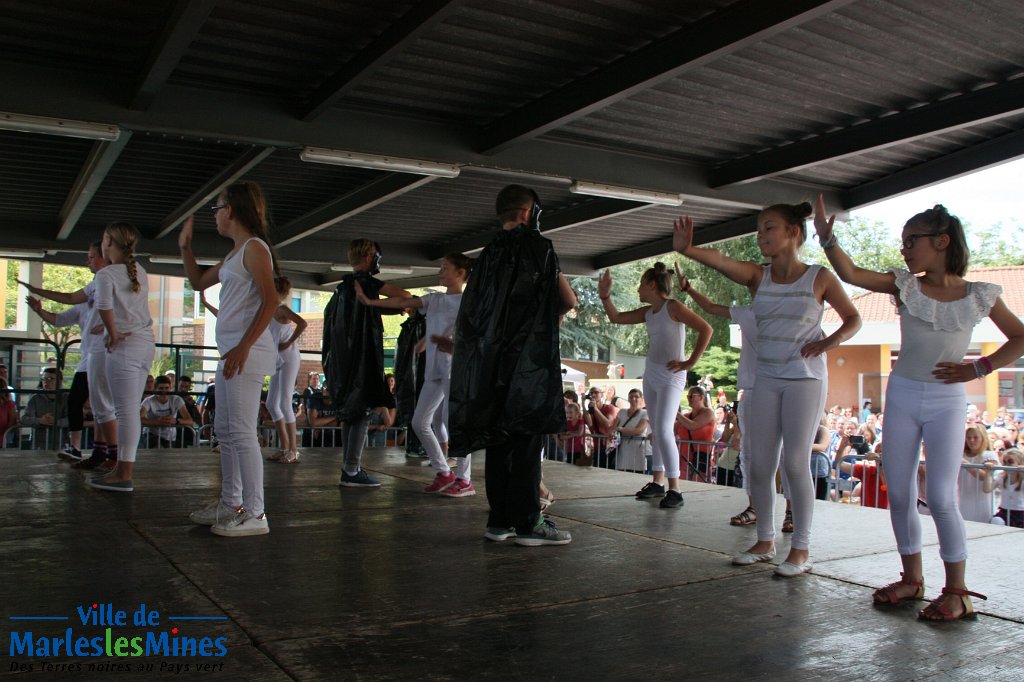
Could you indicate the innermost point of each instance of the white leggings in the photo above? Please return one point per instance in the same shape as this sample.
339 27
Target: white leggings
100 398
745 453
241 462
784 417
430 424
282 384
934 412
127 368
662 393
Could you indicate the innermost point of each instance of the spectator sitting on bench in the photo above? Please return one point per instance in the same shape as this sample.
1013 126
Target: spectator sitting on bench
161 413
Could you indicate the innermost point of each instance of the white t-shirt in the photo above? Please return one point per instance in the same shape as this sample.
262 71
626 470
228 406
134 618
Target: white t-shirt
440 311
156 409
131 308
86 316
1011 497
632 451
975 503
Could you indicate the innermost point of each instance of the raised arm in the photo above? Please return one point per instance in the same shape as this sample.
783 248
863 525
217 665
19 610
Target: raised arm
199 278
72 298
37 306
392 303
705 303
742 272
604 291
882 282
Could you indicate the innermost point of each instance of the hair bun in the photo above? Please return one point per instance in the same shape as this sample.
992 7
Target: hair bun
804 209
659 267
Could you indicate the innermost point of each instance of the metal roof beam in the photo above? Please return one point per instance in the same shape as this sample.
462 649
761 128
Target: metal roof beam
248 160
972 159
101 159
422 17
573 216
180 29
358 200
709 235
973 108
722 33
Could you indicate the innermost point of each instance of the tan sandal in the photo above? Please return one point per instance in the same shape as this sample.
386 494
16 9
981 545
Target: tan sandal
290 457
276 457
787 522
547 500
938 611
888 595
747 517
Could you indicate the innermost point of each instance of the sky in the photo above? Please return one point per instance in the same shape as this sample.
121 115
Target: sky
981 199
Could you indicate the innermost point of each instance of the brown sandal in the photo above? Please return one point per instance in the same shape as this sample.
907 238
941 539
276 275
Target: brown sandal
937 611
787 523
747 517
887 594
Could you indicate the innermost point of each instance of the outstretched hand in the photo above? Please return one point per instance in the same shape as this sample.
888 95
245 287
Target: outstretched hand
682 234
604 284
684 283
822 225
185 236
34 303
33 289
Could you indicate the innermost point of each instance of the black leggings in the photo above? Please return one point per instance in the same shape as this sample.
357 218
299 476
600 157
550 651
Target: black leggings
77 396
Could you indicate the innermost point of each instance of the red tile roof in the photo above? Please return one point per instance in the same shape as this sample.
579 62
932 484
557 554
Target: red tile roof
879 308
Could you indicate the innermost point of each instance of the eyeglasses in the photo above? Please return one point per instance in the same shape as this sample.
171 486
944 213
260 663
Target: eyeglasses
49 378
217 207
911 239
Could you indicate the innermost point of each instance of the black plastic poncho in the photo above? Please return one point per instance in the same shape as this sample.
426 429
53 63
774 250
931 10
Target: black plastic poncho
410 368
506 372
353 349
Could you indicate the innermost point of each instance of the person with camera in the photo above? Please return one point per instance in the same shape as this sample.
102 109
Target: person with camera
601 419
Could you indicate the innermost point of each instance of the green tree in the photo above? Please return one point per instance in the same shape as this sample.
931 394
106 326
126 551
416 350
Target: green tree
721 363
869 244
991 247
64 278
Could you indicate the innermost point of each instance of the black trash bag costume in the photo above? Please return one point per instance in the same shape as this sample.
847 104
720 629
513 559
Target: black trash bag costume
506 370
353 349
410 368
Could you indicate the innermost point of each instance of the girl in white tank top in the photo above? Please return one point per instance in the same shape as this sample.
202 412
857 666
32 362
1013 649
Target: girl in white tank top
285 329
248 300
665 373
925 396
788 397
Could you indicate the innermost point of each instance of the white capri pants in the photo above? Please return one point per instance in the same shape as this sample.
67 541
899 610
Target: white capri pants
662 392
100 397
238 408
127 367
784 415
430 422
282 384
933 412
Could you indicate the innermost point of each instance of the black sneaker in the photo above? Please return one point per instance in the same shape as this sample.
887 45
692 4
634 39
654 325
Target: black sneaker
673 499
651 490
70 454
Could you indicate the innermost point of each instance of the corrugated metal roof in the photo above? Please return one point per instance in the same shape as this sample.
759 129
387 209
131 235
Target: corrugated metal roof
732 104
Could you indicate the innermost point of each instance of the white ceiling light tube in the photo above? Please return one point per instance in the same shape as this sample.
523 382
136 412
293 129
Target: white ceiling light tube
22 253
59 126
595 189
176 260
384 270
377 162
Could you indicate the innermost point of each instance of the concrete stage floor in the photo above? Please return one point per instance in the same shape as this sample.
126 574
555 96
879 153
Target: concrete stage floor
393 584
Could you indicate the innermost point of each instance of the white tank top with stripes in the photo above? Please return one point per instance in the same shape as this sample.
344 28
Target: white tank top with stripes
788 317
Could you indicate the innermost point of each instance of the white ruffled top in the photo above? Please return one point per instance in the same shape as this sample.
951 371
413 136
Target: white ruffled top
936 331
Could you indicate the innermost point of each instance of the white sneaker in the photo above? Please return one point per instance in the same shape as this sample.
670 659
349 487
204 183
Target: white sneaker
211 513
241 524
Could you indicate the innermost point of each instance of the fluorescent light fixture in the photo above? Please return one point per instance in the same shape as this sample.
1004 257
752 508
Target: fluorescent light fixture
176 260
595 189
388 163
385 270
59 126
21 253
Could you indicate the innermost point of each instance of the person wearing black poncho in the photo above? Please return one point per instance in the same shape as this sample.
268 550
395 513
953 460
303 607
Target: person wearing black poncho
506 383
353 356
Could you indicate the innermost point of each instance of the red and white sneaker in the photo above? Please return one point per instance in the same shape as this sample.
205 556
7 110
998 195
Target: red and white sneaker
441 482
459 488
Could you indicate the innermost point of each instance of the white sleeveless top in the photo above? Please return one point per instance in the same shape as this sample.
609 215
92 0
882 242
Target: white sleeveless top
788 317
440 311
941 330
746 373
280 332
239 302
130 308
668 340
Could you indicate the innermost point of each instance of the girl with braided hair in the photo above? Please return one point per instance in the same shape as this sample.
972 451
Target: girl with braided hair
248 300
122 299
